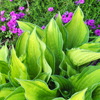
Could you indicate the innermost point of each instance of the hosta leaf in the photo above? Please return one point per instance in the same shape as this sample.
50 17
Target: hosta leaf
4 68
78 32
21 44
86 79
91 46
32 55
4 92
4 53
82 56
97 39
2 79
38 90
53 40
79 95
66 88
18 69
26 26
59 98
17 94
62 30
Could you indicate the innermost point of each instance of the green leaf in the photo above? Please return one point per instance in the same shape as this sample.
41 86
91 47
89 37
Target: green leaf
78 32
32 55
2 79
81 56
21 44
79 95
91 46
62 30
26 26
38 90
4 68
53 40
59 98
86 79
18 69
66 88
17 94
4 53
97 39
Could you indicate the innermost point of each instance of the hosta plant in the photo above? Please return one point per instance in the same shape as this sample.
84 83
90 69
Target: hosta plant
51 64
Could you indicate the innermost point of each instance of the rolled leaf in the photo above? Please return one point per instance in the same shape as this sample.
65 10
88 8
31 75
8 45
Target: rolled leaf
78 32
38 90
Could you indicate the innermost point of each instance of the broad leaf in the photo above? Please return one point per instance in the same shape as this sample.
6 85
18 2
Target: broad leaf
79 95
53 40
81 56
18 69
62 30
38 90
26 26
59 98
78 32
21 44
2 79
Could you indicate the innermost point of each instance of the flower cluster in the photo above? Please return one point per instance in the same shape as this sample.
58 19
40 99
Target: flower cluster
80 1
12 23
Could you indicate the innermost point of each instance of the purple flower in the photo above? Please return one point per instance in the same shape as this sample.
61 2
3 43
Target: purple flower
12 13
13 17
70 15
20 31
11 0
66 13
14 30
76 2
91 22
66 20
98 26
3 28
93 27
43 27
50 9
63 16
21 14
3 19
56 15
21 8
2 12
86 22
81 1
17 16
97 32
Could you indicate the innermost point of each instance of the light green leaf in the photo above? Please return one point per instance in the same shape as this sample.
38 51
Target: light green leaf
62 30
38 90
86 79
4 53
91 46
17 94
79 95
18 69
81 56
26 26
32 55
78 32
97 39
53 40
2 79
59 98
21 44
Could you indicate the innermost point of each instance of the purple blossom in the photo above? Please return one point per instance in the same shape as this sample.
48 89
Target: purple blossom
97 32
50 9
21 14
13 17
17 16
81 1
3 19
56 15
98 26
66 13
63 16
21 8
93 27
20 31
91 22
3 28
14 30
2 12
86 22
66 20
70 15
43 27
76 2
11 0
12 13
